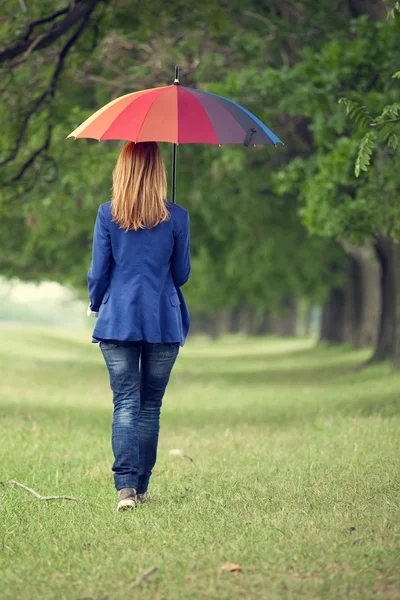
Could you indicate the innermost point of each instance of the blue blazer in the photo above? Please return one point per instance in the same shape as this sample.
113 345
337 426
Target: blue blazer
135 277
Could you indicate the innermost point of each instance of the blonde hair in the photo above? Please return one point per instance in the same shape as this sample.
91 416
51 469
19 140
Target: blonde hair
139 187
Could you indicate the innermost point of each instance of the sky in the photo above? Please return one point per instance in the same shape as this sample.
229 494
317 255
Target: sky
30 292
45 302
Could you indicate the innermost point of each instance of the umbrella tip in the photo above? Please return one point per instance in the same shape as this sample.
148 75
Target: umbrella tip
176 80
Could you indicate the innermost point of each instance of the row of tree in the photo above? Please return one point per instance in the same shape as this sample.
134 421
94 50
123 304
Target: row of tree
270 227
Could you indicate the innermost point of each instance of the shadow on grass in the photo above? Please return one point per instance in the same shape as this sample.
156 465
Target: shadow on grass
313 367
196 416
327 374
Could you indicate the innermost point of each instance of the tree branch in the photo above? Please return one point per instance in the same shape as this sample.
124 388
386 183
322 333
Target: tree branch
23 128
80 10
31 26
47 95
33 156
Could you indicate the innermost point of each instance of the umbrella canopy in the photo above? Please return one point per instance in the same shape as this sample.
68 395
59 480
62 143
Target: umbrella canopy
175 114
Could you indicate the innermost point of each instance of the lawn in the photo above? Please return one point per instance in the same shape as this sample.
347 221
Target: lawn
295 475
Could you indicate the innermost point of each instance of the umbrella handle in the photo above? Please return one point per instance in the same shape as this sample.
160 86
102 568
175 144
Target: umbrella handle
174 172
176 82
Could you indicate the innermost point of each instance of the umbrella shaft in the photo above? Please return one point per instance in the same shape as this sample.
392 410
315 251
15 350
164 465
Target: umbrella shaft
174 172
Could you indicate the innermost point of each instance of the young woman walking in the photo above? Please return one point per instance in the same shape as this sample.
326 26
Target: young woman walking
140 259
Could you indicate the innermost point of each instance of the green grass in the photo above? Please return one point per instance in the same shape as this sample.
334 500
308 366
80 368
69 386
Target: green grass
295 475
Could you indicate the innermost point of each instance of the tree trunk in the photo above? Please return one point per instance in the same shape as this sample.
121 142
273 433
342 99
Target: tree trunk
196 323
235 319
333 317
211 327
367 331
363 297
387 251
350 314
251 320
285 324
217 323
375 9
308 320
396 342
264 327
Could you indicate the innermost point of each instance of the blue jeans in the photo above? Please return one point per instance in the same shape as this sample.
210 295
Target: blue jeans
137 398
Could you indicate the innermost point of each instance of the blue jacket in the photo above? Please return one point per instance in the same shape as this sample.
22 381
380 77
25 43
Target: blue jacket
135 277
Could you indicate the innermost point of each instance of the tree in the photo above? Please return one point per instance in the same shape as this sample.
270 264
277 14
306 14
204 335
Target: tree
35 57
384 125
251 252
336 203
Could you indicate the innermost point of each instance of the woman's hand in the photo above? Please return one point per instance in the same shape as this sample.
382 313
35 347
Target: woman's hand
91 313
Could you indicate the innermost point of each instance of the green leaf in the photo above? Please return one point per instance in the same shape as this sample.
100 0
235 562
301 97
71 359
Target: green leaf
393 141
386 131
364 152
357 112
391 111
392 11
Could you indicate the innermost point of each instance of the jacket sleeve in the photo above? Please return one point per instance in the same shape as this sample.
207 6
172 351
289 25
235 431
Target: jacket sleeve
98 277
180 260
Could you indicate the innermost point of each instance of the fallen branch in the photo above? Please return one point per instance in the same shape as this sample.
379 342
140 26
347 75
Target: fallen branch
144 576
178 452
28 489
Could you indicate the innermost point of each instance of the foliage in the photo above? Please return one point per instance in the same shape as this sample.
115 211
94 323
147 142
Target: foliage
335 203
385 129
392 12
385 124
288 63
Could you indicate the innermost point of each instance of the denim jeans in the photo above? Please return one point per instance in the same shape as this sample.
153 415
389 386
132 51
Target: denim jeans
137 398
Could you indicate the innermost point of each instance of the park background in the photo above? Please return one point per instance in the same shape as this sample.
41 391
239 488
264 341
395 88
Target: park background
286 395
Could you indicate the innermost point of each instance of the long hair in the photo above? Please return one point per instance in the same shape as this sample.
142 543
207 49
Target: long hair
139 187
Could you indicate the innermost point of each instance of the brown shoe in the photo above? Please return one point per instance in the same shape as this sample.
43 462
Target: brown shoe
145 497
127 499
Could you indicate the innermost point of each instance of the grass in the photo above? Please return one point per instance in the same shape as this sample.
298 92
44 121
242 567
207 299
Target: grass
295 475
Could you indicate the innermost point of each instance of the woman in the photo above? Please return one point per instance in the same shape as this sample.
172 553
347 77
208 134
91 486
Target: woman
140 259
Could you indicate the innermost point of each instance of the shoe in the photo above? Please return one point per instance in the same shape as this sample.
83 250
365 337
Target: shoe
127 498
141 498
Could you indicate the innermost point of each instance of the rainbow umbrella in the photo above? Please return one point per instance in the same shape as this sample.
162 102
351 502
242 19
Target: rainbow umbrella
176 114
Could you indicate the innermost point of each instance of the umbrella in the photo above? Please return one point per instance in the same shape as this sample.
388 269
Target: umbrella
176 114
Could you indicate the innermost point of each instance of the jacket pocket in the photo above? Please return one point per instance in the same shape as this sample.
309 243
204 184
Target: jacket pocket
174 299
105 297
